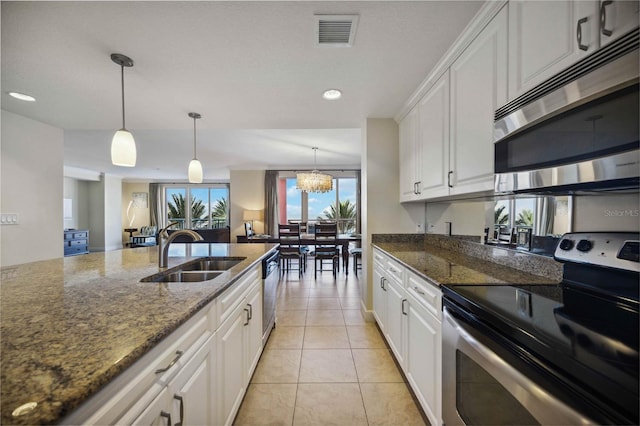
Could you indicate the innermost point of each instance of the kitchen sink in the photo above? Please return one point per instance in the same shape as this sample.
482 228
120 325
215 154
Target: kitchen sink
198 270
184 277
212 264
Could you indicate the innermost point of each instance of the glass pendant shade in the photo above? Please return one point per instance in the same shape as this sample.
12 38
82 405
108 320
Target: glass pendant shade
314 181
195 171
123 149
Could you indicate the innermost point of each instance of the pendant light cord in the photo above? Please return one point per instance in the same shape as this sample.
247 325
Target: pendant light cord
122 85
194 138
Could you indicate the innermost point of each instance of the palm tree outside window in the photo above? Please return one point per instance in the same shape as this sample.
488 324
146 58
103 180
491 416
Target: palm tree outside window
197 206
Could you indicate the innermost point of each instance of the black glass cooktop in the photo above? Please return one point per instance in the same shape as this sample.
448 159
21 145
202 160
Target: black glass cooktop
586 337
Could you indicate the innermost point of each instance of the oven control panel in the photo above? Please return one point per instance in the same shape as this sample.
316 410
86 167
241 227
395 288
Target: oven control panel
619 250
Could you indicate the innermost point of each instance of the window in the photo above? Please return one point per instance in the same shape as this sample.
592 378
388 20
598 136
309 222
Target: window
208 206
539 216
340 204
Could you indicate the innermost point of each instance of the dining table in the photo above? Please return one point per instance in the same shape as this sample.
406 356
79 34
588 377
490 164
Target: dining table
306 239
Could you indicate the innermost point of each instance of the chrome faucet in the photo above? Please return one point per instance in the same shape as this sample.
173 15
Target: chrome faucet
165 240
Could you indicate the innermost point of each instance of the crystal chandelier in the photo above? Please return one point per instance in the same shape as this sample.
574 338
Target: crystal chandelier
314 181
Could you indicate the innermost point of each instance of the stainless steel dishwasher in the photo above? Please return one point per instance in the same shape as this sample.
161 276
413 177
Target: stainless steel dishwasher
270 279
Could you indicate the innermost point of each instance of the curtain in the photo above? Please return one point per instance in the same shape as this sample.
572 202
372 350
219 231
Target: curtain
155 205
271 202
358 202
545 213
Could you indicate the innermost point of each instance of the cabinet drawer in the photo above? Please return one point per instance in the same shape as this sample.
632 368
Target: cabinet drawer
228 301
78 243
426 293
395 269
77 249
79 235
379 258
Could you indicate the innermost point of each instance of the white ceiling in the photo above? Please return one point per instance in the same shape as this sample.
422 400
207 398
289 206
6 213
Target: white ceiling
252 69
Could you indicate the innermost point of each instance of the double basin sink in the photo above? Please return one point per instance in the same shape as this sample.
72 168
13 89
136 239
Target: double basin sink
203 269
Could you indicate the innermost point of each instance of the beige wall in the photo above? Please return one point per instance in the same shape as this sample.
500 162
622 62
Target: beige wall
466 217
381 210
246 192
134 216
78 192
31 162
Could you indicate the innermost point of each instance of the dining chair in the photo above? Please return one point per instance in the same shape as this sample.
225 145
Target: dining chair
326 247
290 247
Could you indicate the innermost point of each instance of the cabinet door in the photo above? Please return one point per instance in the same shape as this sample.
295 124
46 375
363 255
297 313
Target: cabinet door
254 345
231 361
478 86
617 18
408 134
424 359
192 391
434 139
396 309
157 412
379 297
543 39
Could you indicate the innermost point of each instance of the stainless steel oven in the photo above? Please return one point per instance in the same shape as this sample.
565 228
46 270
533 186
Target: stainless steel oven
575 131
548 354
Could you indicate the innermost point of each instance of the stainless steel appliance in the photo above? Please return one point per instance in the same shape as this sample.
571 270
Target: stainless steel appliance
548 354
270 279
577 130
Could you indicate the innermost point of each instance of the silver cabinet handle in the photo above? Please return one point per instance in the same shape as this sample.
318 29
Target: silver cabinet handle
579 34
179 398
403 311
449 179
167 415
171 364
250 311
382 280
247 311
418 290
603 18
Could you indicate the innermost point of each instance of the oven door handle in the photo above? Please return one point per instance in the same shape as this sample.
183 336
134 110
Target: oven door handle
542 405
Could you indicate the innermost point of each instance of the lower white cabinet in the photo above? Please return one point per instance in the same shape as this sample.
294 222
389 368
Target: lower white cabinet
424 358
198 375
407 309
186 399
239 349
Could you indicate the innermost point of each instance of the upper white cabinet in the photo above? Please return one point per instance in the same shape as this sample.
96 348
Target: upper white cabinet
433 111
446 140
617 18
546 37
409 154
478 87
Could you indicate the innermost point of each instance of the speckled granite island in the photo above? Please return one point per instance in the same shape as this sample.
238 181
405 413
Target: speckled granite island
445 260
70 326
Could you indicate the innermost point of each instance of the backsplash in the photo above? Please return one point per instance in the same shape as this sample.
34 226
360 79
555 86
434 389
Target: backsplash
471 246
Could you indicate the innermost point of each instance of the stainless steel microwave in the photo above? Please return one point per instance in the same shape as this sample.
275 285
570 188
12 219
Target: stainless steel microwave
577 131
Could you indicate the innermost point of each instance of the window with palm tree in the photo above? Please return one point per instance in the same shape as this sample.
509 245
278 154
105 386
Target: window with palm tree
197 207
345 215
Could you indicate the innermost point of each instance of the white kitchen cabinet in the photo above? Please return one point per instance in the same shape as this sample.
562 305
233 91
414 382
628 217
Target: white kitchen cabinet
187 399
478 87
239 349
379 290
546 37
396 319
410 152
617 18
424 356
412 327
433 111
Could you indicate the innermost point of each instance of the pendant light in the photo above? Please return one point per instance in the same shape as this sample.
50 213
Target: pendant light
314 181
123 147
195 168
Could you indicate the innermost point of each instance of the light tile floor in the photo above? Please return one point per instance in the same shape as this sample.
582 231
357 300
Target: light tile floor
323 364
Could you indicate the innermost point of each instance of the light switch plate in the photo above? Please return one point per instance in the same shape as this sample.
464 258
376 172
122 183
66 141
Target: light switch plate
9 219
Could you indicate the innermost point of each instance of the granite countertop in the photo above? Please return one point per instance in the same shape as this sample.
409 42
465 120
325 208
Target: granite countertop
442 266
69 326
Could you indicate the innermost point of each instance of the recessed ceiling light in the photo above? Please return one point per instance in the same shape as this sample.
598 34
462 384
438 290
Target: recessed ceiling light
332 94
22 96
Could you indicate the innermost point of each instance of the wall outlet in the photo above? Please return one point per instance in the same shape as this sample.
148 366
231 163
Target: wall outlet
430 227
9 219
419 227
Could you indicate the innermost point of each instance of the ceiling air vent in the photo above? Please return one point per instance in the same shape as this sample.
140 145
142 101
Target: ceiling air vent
336 30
